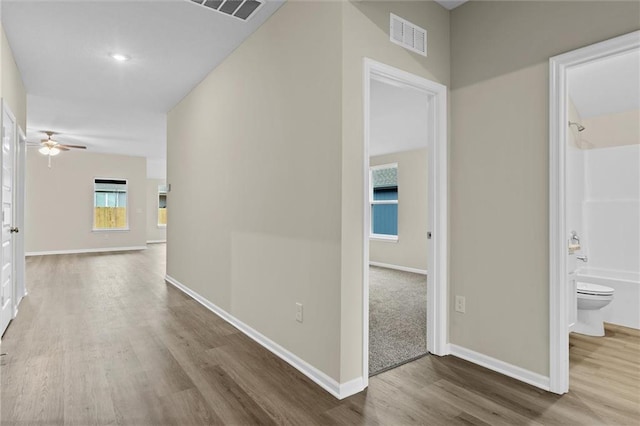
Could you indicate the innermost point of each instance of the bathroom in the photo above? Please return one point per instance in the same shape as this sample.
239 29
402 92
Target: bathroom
603 195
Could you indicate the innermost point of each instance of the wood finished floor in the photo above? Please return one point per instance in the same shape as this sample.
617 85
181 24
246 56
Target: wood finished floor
101 339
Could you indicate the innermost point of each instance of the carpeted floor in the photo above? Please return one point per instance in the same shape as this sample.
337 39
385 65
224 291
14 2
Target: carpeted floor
397 318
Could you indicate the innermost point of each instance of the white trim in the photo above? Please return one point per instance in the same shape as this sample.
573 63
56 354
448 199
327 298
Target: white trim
110 230
384 238
339 390
351 387
20 201
558 315
518 373
398 267
156 241
90 250
437 293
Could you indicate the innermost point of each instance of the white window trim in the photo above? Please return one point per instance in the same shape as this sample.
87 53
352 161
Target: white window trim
380 237
93 220
111 229
384 237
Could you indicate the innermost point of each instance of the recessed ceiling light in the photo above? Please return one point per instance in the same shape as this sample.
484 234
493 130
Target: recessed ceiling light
120 57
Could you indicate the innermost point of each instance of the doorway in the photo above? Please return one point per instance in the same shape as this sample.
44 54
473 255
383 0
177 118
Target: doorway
430 149
573 240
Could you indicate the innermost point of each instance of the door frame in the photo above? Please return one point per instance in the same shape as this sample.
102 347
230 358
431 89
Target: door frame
5 109
558 237
19 202
437 264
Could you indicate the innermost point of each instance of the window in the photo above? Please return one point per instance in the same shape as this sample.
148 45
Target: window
162 205
383 196
110 204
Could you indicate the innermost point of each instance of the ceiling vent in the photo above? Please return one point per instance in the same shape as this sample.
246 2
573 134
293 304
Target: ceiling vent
241 9
408 35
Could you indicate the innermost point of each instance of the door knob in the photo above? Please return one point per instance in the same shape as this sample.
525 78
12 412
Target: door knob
14 230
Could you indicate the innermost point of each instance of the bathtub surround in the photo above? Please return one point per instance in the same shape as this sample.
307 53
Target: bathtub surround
612 208
612 221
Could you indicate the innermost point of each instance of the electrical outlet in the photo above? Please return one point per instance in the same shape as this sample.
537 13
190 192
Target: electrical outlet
460 304
299 312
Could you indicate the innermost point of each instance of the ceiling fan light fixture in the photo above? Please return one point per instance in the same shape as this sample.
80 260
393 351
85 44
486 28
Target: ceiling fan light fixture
45 150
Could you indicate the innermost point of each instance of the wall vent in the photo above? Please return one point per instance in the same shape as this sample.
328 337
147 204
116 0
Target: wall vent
241 9
408 35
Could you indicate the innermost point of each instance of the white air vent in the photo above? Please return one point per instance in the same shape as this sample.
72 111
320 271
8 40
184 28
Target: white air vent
408 35
241 9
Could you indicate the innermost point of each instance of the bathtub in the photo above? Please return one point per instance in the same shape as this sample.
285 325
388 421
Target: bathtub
625 308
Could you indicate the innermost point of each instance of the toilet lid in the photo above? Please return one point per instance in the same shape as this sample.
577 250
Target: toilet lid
588 288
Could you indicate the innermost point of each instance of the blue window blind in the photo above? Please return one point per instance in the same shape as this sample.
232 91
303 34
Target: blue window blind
384 205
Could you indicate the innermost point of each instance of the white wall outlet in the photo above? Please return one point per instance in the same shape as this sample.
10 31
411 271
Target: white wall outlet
299 312
460 304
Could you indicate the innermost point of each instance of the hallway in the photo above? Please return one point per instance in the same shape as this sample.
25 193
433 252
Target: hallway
101 339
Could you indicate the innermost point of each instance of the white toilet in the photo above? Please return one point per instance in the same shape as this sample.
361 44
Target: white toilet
591 299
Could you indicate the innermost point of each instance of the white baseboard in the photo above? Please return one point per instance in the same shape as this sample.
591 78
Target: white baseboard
77 251
501 367
156 241
399 268
339 390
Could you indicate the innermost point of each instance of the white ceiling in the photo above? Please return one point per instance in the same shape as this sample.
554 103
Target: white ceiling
607 86
398 119
62 50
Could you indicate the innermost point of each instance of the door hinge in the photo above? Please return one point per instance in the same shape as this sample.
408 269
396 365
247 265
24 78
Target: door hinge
429 235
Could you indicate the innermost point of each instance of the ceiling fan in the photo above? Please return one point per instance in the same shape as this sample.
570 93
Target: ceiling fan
50 147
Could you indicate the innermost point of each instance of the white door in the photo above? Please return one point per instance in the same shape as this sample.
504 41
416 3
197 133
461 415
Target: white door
6 255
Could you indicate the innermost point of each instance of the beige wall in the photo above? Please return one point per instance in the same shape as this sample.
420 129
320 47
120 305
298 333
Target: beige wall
59 205
11 87
154 232
365 27
411 248
609 130
499 248
254 167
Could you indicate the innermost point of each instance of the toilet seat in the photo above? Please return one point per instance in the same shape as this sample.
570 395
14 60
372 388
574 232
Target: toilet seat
594 289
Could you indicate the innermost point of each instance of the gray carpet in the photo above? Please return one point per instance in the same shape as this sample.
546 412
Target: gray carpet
397 318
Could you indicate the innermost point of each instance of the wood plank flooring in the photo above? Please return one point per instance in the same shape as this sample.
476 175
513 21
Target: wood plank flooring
101 339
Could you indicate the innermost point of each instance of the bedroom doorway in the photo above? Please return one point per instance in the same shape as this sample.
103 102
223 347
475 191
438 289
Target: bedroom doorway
405 285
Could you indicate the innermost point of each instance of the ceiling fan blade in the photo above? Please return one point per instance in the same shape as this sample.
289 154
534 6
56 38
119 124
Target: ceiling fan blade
72 146
61 147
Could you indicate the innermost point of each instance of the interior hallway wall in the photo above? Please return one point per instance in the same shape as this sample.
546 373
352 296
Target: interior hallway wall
11 86
254 167
499 253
